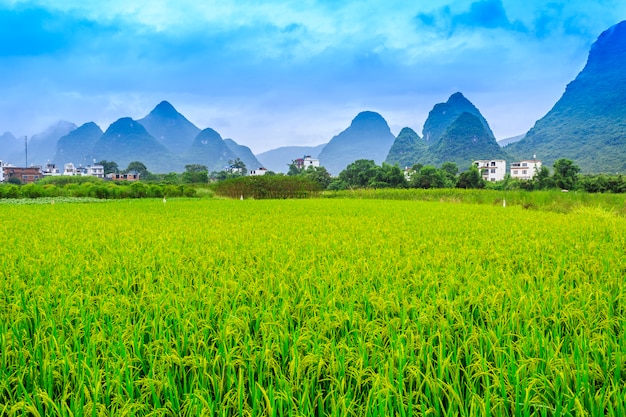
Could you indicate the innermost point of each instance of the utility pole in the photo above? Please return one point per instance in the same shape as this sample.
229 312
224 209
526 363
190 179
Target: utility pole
26 149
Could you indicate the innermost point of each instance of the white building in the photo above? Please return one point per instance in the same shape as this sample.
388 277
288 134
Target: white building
69 169
95 170
257 172
492 169
305 162
50 170
526 169
1 171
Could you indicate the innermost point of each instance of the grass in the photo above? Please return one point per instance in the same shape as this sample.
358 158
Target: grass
554 200
311 307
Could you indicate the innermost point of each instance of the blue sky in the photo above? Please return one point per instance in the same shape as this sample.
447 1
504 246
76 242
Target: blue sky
274 73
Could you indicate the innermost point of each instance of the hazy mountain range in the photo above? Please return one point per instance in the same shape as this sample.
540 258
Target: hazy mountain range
586 125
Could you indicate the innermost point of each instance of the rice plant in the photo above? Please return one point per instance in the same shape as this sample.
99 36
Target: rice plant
311 307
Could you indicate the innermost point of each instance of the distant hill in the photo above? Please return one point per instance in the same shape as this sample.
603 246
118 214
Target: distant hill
42 146
10 146
209 149
444 114
508 141
244 153
407 149
588 123
170 128
368 137
457 133
126 140
77 146
466 140
278 159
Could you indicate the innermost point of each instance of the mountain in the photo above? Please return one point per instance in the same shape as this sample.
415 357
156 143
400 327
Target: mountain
454 131
10 146
126 140
408 149
466 140
208 148
244 153
170 128
588 123
278 159
444 114
508 141
368 137
42 146
77 146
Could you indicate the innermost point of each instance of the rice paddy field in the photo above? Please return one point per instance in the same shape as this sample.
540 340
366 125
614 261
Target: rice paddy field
319 307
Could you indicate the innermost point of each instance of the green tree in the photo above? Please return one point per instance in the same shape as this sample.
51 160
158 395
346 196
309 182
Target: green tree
566 174
470 178
428 177
318 174
110 167
450 168
294 170
195 173
237 165
391 175
138 167
359 174
450 171
542 180
171 178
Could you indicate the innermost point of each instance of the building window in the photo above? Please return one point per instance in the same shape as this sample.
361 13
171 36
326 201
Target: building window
524 164
493 170
524 172
515 172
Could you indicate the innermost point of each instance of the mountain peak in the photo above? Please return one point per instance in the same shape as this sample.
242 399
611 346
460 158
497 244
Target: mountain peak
369 118
170 128
126 125
457 97
368 137
608 49
465 140
165 109
444 114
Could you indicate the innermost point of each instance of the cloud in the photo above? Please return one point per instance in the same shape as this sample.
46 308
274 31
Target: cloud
486 13
481 15
257 66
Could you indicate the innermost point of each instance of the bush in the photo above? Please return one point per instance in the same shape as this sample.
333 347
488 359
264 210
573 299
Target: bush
262 187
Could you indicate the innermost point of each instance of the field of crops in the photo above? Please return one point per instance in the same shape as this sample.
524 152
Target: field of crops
310 308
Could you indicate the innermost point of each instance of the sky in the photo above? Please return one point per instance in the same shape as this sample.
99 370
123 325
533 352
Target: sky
277 73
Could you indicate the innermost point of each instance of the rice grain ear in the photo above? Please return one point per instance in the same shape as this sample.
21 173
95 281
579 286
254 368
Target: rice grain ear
355 306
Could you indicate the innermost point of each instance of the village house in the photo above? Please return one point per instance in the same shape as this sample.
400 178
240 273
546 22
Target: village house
491 169
257 172
526 169
305 162
95 170
24 174
50 170
123 177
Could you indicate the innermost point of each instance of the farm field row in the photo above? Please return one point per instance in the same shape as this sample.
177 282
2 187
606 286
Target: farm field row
311 307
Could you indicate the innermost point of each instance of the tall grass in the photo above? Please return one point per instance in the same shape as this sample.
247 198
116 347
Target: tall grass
311 307
553 200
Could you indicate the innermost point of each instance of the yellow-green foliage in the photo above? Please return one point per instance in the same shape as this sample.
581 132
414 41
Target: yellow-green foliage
311 307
